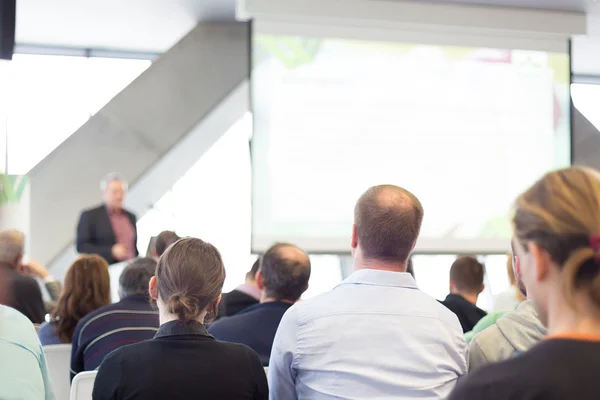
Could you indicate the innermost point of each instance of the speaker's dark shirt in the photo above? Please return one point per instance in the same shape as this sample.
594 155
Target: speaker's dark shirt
182 362
555 369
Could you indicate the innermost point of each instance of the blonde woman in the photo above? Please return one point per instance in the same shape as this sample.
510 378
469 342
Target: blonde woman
557 243
512 297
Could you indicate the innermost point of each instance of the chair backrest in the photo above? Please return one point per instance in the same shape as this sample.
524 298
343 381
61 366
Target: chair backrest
83 385
58 359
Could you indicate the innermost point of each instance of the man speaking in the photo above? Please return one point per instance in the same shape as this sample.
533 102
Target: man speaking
109 230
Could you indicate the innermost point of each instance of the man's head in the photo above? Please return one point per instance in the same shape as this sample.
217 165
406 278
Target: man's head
284 272
135 277
163 241
12 245
466 276
251 275
114 188
387 222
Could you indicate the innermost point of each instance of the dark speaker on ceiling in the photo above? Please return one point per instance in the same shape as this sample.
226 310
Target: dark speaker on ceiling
8 11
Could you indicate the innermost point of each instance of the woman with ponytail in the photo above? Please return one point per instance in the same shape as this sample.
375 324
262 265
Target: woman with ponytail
557 241
183 361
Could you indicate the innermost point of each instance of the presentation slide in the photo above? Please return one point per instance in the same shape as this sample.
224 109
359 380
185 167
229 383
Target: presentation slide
465 129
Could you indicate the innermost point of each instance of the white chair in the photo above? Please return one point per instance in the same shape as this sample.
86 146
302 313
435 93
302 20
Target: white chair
58 359
83 385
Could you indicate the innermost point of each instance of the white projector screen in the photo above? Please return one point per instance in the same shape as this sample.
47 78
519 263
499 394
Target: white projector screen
464 129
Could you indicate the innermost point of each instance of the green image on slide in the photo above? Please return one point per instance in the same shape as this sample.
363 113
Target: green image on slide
291 51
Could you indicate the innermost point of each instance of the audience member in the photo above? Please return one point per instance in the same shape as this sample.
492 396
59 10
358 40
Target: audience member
53 286
130 320
282 278
242 297
491 318
87 287
163 241
557 243
466 282
109 230
21 292
183 361
513 334
23 372
512 297
375 335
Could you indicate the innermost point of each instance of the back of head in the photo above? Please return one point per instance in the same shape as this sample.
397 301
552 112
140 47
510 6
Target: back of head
12 244
86 288
135 277
190 277
285 270
251 275
164 240
467 274
561 214
388 221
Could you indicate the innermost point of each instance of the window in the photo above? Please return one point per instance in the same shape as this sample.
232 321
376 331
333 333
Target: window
45 99
586 98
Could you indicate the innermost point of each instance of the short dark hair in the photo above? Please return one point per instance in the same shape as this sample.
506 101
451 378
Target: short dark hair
164 240
252 273
388 221
286 271
467 274
135 277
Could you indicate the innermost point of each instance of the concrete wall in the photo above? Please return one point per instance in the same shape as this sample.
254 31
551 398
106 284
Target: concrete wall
135 129
586 141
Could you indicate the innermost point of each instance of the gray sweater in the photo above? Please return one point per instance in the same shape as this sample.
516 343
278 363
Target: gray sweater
513 333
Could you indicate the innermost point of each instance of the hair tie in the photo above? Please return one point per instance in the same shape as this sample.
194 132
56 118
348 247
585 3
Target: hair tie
595 244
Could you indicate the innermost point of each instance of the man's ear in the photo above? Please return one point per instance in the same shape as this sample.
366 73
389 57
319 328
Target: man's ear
260 281
153 288
354 242
482 288
452 287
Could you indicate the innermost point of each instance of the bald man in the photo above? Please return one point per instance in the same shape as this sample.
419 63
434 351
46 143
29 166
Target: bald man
282 277
376 335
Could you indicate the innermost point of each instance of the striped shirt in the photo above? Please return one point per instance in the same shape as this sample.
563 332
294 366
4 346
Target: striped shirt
129 321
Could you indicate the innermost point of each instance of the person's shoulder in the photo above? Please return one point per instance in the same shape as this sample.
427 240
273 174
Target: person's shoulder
93 210
234 350
84 322
24 285
10 316
491 382
20 327
222 324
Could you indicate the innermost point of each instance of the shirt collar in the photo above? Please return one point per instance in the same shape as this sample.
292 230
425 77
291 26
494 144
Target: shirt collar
250 290
181 328
113 211
381 278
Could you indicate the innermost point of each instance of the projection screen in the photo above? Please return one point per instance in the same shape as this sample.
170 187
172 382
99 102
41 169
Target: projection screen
465 129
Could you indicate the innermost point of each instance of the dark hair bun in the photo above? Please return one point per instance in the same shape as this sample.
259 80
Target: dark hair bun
184 307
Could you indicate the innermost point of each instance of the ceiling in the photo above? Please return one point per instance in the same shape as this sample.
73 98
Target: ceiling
155 25
135 25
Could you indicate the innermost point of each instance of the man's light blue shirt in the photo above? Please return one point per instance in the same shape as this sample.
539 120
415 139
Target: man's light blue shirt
375 336
23 373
